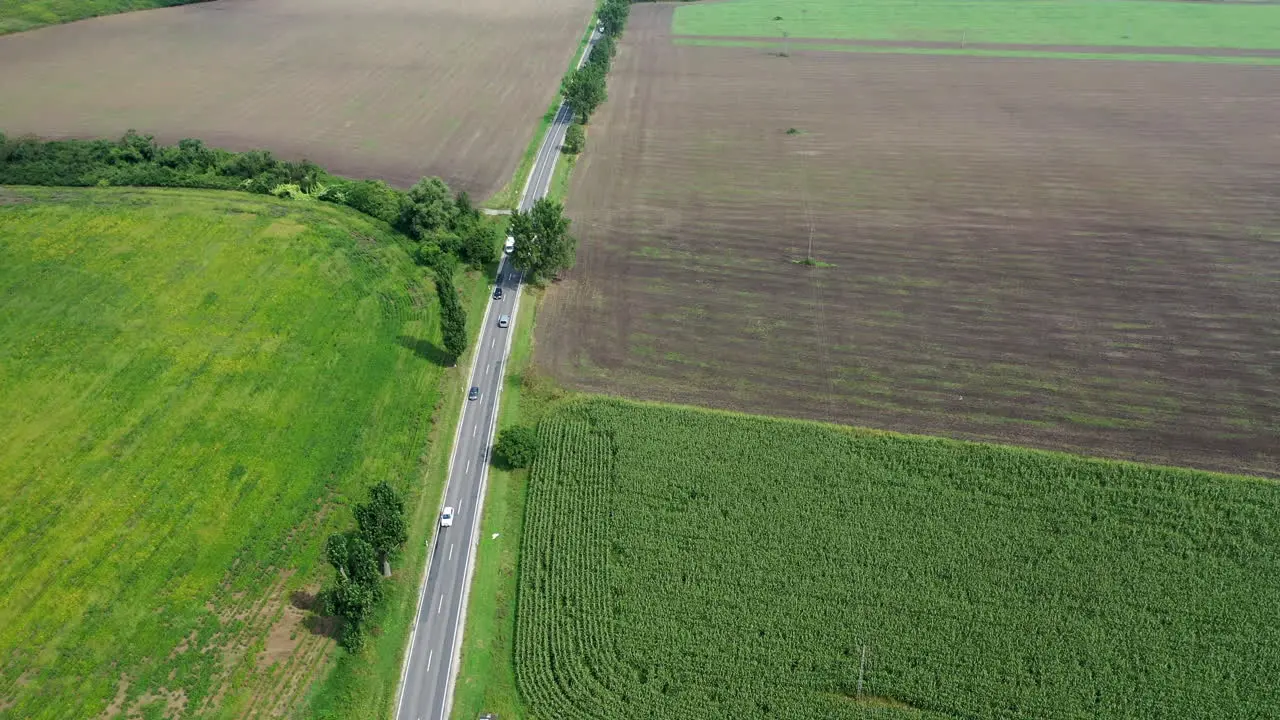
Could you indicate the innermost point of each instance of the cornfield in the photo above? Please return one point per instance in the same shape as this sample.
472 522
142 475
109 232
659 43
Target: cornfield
684 563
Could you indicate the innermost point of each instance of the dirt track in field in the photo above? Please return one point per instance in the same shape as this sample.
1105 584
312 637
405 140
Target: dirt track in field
1072 255
393 89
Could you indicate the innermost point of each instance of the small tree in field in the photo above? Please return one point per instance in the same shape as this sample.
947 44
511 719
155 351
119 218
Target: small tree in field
517 447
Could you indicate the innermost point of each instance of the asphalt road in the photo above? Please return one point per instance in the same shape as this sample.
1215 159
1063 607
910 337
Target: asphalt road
431 661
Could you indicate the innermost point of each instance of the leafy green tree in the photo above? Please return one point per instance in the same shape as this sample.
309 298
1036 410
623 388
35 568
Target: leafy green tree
613 15
357 587
584 90
373 197
517 447
544 246
465 215
353 602
382 522
603 53
453 317
335 551
426 208
480 245
574 139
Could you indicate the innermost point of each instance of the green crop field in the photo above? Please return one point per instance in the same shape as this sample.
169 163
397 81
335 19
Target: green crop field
194 387
687 563
1096 23
18 15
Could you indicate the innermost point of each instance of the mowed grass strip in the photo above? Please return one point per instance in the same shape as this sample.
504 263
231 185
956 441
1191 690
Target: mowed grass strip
688 563
1133 23
195 387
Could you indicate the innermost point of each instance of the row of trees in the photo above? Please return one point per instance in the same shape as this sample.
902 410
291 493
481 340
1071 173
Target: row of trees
427 212
584 88
381 529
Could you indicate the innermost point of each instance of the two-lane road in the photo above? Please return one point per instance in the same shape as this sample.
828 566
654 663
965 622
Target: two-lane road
435 641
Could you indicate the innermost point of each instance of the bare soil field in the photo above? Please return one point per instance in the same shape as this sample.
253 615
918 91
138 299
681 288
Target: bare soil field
391 89
1078 255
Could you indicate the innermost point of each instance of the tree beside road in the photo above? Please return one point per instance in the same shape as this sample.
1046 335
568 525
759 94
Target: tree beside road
543 245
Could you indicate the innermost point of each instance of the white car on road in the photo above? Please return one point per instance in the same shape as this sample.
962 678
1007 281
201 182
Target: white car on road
446 517
509 246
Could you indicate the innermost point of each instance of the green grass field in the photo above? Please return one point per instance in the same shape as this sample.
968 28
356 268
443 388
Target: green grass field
19 15
781 46
1122 23
196 386
686 563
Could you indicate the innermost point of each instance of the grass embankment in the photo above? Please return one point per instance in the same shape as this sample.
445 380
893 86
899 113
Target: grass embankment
1086 23
688 563
365 685
197 385
19 15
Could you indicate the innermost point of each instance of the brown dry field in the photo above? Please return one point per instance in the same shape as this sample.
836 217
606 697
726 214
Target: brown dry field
1077 255
391 89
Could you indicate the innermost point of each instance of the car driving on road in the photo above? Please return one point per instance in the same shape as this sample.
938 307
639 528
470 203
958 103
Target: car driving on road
497 293
474 394
504 320
446 517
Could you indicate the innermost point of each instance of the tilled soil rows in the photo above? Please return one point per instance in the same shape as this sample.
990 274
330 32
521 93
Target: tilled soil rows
1080 255
392 89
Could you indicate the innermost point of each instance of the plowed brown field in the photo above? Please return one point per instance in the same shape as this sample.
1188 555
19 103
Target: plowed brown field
394 89
1067 254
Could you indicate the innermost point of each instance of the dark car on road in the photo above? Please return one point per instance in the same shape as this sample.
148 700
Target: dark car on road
474 394
497 293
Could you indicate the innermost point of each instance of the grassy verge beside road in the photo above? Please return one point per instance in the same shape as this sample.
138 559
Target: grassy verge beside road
365 685
486 678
